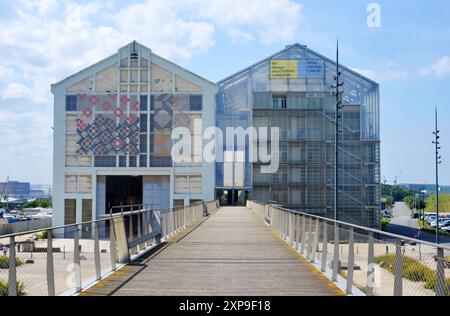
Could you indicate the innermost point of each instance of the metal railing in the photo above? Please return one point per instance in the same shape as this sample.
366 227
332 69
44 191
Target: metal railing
67 259
361 260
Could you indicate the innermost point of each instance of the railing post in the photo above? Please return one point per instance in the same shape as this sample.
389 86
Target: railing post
130 225
351 259
370 267
290 227
98 273
139 222
12 277
315 240
297 231
398 275
323 267
50 269
112 244
76 259
302 249
310 241
441 289
336 252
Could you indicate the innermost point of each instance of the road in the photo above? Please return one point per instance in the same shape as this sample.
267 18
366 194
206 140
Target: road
402 224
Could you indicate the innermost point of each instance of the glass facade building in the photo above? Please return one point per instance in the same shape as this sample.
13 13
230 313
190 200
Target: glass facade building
291 90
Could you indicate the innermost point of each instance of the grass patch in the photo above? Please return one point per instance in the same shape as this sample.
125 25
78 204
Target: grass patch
412 270
4 262
4 288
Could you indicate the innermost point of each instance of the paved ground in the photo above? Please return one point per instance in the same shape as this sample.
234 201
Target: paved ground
231 253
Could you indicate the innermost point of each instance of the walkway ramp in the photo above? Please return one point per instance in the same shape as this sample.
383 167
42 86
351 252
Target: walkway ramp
231 252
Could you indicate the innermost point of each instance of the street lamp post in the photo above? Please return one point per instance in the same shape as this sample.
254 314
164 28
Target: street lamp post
437 162
337 93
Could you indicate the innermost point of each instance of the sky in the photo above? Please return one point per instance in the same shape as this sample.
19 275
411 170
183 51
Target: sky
407 53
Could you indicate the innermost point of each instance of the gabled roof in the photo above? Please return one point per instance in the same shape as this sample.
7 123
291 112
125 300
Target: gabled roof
297 45
112 59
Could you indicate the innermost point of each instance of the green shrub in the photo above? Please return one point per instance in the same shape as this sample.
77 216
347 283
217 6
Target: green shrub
19 286
4 262
412 270
384 222
42 234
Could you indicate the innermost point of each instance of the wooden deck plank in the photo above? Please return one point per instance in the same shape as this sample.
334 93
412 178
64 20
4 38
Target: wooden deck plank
231 253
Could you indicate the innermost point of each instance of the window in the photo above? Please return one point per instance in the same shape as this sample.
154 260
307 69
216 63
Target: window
143 161
85 184
143 123
71 184
152 102
122 161
133 161
104 161
144 103
69 211
279 103
195 103
71 102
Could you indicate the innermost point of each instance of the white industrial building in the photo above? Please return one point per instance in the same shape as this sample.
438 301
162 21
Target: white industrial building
112 135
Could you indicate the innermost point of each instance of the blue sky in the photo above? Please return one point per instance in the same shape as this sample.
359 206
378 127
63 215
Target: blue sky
42 42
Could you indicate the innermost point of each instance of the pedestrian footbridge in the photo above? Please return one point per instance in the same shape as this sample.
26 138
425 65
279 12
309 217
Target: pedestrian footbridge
203 249
230 252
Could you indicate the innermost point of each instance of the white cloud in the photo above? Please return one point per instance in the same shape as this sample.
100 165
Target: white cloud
391 72
44 41
440 68
33 138
269 20
16 91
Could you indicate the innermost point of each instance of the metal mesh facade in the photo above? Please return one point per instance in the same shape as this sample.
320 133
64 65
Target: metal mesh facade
304 110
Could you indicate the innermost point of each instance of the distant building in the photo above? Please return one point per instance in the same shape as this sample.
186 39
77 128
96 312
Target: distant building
15 189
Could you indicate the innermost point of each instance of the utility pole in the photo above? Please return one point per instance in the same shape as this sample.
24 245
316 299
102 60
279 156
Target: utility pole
338 95
438 162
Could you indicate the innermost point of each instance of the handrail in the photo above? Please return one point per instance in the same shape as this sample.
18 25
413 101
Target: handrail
147 227
372 230
308 234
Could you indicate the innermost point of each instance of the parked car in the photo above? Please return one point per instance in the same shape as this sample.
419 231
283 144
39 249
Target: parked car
444 223
434 223
446 228
430 218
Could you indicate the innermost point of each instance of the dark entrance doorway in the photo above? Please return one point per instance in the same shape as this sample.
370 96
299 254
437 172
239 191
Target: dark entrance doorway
123 190
232 197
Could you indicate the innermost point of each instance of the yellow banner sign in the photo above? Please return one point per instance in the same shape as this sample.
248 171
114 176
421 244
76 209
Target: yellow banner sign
283 69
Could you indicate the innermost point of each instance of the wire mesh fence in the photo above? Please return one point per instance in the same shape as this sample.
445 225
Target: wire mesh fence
64 260
362 261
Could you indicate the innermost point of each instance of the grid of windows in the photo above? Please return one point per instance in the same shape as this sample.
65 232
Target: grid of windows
71 103
195 103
